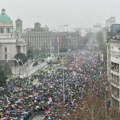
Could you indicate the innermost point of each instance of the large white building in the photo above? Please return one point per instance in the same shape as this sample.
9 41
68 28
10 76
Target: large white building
37 38
113 68
40 40
10 40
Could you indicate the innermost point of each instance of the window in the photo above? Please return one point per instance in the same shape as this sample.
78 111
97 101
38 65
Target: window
8 30
114 66
5 49
5 56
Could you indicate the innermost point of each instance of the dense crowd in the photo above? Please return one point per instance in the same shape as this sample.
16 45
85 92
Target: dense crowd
48 91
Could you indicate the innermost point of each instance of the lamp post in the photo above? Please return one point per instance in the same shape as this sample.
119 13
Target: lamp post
58 45
63 83
63 86
39 52
106 114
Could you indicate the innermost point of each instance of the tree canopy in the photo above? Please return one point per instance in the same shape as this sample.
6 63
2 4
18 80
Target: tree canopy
22 57
6 68
2 77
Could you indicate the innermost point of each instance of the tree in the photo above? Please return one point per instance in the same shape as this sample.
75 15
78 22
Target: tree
30 53
2 78
92 107
5 67
63 50
22 57
100 39
102 44
86 39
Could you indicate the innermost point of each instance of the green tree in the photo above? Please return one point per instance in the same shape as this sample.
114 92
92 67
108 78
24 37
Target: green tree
63 50
30 53
100 38
22 57
2 78
5 66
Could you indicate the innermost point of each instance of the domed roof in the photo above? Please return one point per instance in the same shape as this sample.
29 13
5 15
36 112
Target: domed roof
4 18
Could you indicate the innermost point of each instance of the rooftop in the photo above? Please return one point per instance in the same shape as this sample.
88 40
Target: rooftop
4 18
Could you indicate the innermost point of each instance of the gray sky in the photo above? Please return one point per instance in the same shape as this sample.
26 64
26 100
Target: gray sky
56 13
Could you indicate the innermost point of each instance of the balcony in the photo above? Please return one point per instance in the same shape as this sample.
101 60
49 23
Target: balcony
115 84
115 68
115 59
115 72
115 97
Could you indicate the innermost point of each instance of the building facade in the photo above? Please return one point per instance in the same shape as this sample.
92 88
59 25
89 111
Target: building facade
41 40
66 40
109 22
18 25
10 41
37 39
113 70
114 29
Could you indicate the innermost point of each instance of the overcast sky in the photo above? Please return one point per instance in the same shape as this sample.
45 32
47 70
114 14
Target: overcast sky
57 13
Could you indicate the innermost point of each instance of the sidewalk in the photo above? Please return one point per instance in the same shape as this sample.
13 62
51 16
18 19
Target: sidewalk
26 71
34 69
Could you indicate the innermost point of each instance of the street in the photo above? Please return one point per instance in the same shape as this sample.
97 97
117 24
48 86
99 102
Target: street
60 89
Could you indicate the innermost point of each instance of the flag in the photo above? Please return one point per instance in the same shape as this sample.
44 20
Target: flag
76 65
74 73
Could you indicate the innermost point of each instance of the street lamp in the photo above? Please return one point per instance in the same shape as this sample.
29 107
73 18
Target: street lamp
63 86
63 83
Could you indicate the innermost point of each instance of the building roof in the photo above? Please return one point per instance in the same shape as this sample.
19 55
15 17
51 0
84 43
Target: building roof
9 41
4 18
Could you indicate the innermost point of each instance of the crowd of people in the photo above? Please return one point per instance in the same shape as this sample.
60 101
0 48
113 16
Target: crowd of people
54 93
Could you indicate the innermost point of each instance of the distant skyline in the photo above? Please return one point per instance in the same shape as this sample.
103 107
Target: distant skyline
56 13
